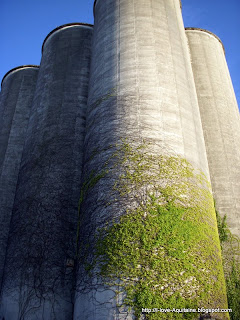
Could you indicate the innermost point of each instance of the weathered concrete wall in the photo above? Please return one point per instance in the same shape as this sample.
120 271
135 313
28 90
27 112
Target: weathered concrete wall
39 272
141 87
220 120
18 88
145 57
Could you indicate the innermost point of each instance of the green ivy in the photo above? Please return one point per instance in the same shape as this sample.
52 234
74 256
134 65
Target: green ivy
223 230
233 290
230 245
164 252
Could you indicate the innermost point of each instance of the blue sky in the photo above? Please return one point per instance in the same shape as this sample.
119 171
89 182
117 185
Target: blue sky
24 25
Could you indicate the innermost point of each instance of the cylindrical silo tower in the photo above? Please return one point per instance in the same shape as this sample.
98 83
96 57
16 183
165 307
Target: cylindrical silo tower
40 263
220 120
18 87
142 126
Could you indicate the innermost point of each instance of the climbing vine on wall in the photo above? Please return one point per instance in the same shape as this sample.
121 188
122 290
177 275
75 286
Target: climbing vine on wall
231 253
164 251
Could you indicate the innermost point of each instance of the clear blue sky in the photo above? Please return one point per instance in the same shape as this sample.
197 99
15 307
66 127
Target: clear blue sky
24 24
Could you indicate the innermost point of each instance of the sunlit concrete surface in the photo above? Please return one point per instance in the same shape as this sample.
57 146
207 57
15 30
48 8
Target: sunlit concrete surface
220 120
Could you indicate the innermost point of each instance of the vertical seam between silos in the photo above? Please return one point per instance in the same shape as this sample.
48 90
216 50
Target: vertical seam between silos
30 112
196 94
6 248
11 122
190 96
175 80
200 164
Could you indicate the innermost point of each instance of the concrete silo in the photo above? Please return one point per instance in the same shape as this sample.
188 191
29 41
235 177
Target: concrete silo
141 90
18 87
39 270
220 120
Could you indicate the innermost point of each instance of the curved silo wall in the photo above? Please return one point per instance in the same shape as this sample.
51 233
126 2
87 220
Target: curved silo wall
141 92
39 271
220 120
18 88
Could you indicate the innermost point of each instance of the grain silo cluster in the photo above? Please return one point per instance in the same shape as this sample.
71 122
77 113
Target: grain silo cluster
132 119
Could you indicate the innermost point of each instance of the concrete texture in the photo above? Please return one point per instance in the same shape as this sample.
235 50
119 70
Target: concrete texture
59 125
141 87
220 120
18 87
180 2
39 271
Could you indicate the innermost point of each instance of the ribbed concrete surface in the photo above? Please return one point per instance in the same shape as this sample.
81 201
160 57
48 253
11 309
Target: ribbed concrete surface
141 87
146 58
220 120
18 88
39 273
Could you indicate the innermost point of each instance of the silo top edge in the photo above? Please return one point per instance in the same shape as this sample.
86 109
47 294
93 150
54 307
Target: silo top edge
180 1
19 68
67 25
206 31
